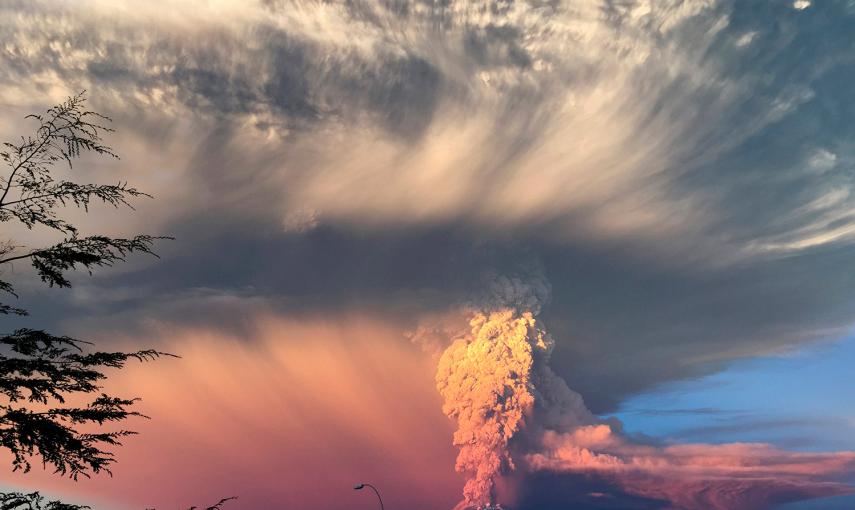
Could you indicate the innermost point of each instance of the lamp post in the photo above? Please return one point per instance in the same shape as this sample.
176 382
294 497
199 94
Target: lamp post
361 486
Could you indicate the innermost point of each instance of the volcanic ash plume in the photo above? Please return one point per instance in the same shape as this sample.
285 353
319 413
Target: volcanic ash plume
492 379
496 382
487 383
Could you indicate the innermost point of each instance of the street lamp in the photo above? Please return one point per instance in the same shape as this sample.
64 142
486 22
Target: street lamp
360 486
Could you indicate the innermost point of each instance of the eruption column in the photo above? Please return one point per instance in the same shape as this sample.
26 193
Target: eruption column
487 380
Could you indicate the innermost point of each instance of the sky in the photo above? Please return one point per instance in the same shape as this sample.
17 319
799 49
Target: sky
531 253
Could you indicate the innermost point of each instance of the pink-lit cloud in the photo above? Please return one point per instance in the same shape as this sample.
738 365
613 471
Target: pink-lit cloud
696 476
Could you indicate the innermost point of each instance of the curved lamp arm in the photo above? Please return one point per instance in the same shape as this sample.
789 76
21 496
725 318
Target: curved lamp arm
361 486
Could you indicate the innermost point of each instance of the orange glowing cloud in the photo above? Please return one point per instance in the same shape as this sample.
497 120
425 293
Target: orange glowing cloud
491 377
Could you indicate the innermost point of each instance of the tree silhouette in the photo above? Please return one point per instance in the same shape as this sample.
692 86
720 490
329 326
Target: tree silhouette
35 501
40 373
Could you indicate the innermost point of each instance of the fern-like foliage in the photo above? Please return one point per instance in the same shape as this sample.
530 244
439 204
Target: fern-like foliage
33 501
32 194
52 407
39 373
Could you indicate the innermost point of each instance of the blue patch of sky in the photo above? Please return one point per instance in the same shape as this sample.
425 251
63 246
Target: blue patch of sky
801 400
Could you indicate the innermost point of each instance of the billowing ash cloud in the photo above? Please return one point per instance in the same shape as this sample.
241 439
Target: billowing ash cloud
486 381
528 292
514 414
491 381
492 377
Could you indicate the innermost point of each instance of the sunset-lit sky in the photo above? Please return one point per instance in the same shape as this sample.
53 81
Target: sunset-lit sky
604 251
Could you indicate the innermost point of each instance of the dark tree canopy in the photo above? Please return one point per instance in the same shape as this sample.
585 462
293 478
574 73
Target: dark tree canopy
31 194
35 501
50 386
39 371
